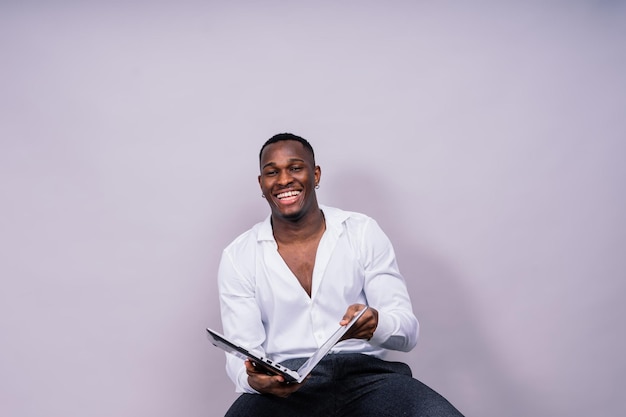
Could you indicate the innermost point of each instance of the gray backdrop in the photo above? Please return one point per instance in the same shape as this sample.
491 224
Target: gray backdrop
487 138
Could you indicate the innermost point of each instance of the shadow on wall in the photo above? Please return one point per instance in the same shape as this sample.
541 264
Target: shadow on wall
453 355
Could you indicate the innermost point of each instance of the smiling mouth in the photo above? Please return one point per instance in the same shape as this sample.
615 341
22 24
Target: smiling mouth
288 194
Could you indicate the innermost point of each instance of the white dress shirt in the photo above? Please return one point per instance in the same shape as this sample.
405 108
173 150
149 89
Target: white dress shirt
264 307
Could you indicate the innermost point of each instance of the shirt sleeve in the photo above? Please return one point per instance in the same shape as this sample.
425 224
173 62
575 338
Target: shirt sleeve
239 311
385 290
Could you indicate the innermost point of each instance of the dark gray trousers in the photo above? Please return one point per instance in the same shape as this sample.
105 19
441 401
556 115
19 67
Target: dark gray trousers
350 384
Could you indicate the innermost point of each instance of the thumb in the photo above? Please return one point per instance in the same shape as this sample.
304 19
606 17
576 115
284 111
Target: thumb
350 312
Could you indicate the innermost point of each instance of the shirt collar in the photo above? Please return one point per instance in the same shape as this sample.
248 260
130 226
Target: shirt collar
334 219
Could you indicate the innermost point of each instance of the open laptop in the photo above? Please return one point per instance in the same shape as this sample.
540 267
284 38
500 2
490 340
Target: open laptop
270 366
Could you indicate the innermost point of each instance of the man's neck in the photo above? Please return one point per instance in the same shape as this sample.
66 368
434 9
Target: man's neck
308 227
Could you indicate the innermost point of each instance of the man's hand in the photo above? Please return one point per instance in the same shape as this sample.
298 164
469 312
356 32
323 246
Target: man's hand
365 326
269 384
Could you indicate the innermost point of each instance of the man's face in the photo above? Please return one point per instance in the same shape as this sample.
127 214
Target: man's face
288 178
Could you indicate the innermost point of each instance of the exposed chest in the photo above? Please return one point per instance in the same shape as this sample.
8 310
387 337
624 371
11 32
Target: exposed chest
301 260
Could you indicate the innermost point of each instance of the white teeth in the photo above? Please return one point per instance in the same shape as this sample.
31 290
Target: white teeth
288 194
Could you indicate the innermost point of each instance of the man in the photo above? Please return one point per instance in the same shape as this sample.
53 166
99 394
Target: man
286 284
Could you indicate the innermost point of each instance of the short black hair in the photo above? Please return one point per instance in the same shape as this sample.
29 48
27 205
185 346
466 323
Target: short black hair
288 136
